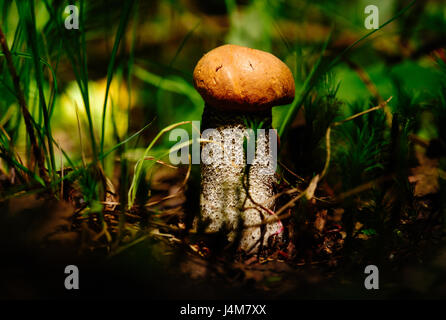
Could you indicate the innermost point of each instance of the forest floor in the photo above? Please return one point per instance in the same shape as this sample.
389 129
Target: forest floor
156 258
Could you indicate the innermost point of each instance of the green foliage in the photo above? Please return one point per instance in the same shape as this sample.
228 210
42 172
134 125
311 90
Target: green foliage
320 110
361 146
439 105
315 74
408 108
369 232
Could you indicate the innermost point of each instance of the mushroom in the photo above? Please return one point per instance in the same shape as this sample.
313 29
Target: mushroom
240 86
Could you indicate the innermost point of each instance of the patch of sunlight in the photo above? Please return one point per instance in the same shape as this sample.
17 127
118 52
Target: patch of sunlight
117 104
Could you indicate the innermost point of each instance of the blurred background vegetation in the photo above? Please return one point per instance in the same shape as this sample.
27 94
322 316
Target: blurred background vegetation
99 96
163 40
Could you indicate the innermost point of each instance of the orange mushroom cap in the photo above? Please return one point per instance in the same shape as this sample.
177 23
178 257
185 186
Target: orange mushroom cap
236 78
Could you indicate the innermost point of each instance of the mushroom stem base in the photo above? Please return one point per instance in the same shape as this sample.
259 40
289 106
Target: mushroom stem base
236 195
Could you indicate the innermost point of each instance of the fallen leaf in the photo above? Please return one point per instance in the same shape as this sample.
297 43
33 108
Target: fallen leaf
312 187
425 176
321 218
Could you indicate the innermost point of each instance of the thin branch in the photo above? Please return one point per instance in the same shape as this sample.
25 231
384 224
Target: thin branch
335 124
290 171
365 78
362 188
380 106
328 155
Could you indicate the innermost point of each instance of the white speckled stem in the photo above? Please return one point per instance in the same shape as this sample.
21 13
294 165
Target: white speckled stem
233 191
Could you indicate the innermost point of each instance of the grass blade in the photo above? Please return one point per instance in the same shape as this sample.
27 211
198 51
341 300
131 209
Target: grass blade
28 16
308 84
119 34
38 155
139 164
